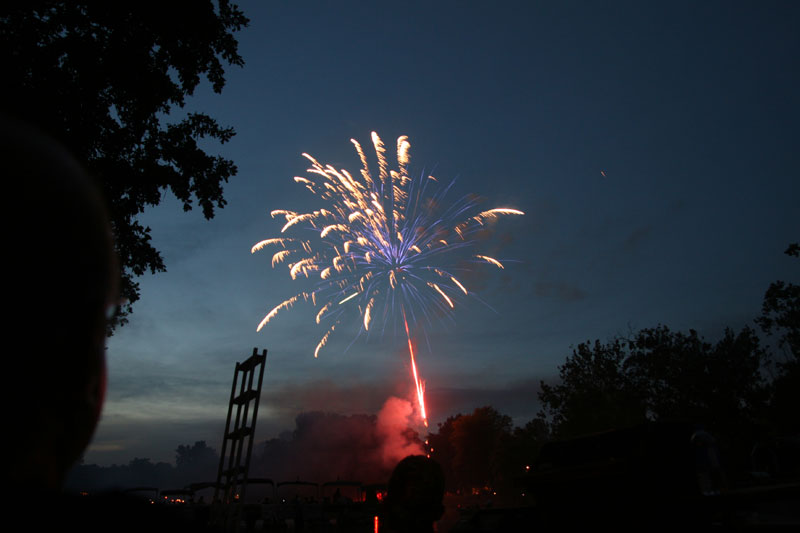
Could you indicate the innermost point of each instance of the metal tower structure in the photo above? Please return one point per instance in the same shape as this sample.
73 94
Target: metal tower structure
237 441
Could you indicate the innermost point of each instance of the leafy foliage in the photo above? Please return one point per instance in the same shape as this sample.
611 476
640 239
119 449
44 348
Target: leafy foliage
780 312
194 463
780 316
594 393
198 462
483 449
102 77
659 374
478 441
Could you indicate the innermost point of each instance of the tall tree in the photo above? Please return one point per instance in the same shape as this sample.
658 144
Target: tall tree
659 374
594 392
196 463
780 312
681 376
780 317
479 441
524 447
482 450
103 77
441 444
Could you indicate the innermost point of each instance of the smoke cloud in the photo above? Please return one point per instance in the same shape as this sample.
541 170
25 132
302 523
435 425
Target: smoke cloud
330 446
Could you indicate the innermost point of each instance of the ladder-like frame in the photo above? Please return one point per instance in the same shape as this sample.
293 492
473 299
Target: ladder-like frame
233 464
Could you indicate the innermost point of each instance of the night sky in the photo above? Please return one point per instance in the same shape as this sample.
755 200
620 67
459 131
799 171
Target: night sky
690 109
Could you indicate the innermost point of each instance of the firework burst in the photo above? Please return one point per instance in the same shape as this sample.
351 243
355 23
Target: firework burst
383 246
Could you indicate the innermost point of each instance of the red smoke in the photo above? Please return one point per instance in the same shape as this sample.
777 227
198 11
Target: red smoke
393 424
329 446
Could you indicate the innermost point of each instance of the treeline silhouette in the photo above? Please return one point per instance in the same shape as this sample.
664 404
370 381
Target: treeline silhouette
328 446
195 463
742 389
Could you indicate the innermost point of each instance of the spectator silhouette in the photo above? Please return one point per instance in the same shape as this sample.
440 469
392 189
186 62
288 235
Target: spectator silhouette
61 283
414 496
61 274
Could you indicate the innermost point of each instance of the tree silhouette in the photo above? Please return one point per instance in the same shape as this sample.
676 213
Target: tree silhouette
441 443
780 312
483 449
196 463
595 391
142 471
663 375
524 446
780 316
680 376
102 77
472 449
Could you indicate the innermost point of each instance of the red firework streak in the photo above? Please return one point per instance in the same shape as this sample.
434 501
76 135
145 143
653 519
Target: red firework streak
418 382
360 250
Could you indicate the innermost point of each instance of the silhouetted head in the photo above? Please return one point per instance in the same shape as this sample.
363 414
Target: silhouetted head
414 495
61 280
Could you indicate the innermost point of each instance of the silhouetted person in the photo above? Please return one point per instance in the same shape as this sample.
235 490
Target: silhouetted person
60 287
61 281
414 496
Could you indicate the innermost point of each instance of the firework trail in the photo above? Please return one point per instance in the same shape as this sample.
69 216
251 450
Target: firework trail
384 245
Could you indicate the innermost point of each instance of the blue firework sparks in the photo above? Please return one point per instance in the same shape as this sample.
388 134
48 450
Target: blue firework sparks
384 245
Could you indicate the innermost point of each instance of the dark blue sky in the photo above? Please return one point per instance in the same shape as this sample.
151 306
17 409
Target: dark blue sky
690 109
